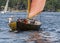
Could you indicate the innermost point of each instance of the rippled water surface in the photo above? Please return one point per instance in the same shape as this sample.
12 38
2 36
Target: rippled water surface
50 29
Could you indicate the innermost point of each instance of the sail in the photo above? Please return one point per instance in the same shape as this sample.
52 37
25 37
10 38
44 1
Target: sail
35 7
6 6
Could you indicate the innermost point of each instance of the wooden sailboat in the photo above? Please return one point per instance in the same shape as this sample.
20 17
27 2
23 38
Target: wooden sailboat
34 7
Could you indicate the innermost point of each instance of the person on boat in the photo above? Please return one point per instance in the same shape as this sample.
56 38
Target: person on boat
28 21
32 21
25 21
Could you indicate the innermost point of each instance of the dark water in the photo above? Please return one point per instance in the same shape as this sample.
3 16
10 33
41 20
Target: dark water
50 26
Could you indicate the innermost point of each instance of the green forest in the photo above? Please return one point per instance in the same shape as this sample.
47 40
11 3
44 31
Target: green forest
51 5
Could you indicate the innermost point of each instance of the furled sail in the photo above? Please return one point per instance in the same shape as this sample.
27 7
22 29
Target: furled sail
35 7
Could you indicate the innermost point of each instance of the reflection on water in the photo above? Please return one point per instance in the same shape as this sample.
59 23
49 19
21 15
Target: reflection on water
36 37
50 29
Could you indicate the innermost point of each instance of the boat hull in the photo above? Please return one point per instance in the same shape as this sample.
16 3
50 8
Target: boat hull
26 27
19 26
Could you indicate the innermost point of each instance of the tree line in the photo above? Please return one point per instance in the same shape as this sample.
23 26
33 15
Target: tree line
51 5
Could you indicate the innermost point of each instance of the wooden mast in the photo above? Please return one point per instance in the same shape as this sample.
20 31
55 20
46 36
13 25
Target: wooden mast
29 3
